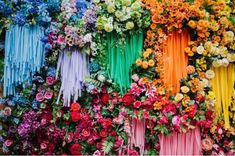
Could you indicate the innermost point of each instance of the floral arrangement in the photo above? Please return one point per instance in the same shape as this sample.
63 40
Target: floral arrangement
121 16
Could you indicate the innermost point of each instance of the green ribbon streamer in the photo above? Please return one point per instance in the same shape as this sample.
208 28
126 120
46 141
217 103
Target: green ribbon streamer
121 57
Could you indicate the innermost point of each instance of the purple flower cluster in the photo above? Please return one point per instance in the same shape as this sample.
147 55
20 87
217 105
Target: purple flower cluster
29 124
90 17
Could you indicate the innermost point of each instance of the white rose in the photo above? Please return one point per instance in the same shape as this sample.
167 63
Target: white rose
217 63
184 89
200 49
205 83
178 97
210 74
101 78
225 62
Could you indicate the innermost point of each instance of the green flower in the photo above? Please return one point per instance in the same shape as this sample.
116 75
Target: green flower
136 6
108 27
130 25
110 8
119 14
101 22
126 2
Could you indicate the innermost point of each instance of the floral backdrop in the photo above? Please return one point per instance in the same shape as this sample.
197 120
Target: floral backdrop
100 121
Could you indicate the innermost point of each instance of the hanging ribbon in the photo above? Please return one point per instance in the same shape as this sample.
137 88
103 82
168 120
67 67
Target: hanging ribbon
181 143
175 59
223 86
137 135
121 57
24 55
73 67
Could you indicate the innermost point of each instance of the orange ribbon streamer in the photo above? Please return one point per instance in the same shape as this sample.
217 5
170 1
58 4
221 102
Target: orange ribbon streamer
175 59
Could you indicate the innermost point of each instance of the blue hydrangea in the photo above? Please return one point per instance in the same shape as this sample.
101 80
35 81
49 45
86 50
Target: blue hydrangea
19 100
35 104
20 18
94 67
51 71
81 6
5 10
53 6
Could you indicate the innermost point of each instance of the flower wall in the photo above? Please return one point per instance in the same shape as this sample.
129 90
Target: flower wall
121 77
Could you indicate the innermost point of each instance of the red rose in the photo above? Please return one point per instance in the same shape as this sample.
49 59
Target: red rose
105 98
75 149
86 133
127 99
75 116
199 98
103 133
209 114
146 114
137 104
107 123
193 111
75 106
99 145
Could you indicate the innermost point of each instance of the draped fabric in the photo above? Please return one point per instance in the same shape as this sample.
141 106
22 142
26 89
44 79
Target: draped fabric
181 143
24 55
223 86
137 138
175 59
121 57
73 67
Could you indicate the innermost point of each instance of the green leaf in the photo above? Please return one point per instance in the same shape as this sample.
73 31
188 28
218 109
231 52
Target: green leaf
107 147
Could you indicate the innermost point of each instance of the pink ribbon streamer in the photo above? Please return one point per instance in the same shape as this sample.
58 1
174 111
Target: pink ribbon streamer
73 67
181 143
137 135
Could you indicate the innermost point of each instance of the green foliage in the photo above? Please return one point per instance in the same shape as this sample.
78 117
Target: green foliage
107 146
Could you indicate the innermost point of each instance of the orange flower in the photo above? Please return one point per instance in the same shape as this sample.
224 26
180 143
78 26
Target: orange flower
187 50
217 38
153 26
145 64
149 50
151 63
138 62
157 105
159 31
190 53
190 69
192 24
145 54
194 49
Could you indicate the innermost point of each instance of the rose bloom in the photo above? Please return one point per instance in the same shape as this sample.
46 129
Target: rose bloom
135 77
75 116
39 97
184 89
178 97
146 114
207 144
7 111
43 145
137 104
190 69
103 133
50 80
48 95
8 142
127 99
75 106
75 149
193 110
199 98
105 98
86 132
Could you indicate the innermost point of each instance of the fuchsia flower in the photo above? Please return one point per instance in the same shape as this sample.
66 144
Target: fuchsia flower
60 40
40 97
176 121
8 142
164 120
137 104
135 89
50 80
75 149
48 95
146 114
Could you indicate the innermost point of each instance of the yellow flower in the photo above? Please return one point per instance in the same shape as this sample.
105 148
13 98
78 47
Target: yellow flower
192 24
145 65
138 62
108 27
145 54
151 63
149 50
217 63
210 74
211 95
157 105
184 89
130 25
178 97
111 8
231 57
126 2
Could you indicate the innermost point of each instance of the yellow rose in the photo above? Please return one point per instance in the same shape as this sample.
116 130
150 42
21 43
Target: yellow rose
111 8
184 89
130 25
217 63
145 54
151 63
231 57
210 74
126 2
108 27
138 62
145 65
178 97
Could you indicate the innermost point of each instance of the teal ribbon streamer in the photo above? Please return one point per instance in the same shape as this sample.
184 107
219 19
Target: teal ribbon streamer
24 55
120 58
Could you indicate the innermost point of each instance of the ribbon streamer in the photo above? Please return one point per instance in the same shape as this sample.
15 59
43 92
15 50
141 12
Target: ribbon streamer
73 67
223 86
24 55
121 58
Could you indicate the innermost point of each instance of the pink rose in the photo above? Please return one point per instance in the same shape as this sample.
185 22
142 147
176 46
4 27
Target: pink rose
220 131
50 80
176 121
7 111
207 144
137 104
61 40
135 77
97 153
40 97
48 95
8 142
43 146
146 114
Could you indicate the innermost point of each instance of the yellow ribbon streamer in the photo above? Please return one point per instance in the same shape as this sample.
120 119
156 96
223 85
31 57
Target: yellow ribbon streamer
223 86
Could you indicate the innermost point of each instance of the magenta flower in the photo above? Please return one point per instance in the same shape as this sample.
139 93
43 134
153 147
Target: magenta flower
50 80
40 97
48 95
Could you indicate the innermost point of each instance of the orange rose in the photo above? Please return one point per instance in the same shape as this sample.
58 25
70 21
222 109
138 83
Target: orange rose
151 63
138 62
192 24
75 106
145 65
190 69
